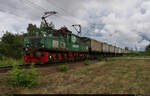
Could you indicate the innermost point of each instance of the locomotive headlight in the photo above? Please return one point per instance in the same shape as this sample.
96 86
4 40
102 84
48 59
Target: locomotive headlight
43 46
28 45
26 49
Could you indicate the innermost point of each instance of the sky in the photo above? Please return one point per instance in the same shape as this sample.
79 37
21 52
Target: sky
123 23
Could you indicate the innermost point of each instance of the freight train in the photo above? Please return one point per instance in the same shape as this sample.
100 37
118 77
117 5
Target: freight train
62 46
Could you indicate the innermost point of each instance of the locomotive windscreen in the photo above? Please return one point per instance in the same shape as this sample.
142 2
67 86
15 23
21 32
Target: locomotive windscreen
35 42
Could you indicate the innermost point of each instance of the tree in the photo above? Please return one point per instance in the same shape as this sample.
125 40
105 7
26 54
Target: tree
126 48
32 30
8 37
47 29
147 48
11 45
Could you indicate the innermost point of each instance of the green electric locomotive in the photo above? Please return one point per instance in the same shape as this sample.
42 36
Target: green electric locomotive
59 46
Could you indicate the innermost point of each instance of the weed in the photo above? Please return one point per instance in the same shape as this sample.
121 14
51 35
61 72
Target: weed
111 59
46 77
63 68
21 61
86 62
81 71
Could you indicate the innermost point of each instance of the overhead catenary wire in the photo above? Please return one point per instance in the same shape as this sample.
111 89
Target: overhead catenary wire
30 4
44 9
36 5
65 11
67 20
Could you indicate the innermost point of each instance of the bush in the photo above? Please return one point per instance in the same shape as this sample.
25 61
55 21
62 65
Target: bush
8 62
63 68
11 62
22 77
21 61
86 62
2 57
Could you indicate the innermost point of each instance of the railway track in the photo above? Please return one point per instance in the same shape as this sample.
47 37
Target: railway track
7 68
4 69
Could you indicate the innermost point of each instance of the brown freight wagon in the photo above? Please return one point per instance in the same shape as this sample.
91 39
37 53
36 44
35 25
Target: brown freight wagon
105 48
97 48
93 45
111 49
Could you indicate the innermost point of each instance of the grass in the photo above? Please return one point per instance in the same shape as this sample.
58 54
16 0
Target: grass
101 58
11 62
81 71
119 76
111 59
63 68
86 62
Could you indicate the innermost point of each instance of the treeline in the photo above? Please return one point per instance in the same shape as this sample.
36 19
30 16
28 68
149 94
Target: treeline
145 53
11 45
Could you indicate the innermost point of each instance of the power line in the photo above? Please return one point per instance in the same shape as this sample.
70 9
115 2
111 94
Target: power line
63 10
36 5
47 10
60 8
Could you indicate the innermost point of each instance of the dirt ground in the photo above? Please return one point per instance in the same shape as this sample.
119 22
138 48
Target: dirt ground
124 76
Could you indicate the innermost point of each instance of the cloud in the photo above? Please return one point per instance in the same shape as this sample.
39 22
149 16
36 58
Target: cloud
122 23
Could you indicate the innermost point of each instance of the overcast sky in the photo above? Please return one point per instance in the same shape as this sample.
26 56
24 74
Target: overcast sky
117 22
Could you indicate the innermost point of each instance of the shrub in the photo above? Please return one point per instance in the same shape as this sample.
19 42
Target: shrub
1 57
21 61
22 77
10 62
63 68
87 62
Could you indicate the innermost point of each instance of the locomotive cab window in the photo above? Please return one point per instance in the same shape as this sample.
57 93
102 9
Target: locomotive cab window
73 39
